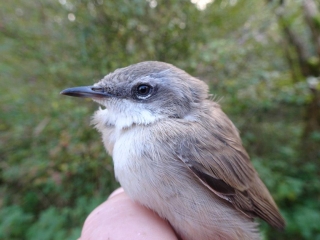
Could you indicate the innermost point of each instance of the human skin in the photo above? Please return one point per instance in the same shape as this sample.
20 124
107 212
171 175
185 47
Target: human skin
120 218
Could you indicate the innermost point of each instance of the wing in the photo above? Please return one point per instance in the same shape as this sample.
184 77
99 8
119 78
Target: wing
214 154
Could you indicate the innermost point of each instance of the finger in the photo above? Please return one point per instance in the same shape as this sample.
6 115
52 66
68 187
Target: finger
120 218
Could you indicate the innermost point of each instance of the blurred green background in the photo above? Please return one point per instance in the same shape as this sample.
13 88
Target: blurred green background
260 58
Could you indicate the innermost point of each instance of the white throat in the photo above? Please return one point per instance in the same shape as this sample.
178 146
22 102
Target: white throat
123 115
118 118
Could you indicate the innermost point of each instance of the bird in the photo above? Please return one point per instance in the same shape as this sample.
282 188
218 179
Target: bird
177 153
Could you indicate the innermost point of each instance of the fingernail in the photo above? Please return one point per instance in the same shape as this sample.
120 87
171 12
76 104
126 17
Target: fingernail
116 192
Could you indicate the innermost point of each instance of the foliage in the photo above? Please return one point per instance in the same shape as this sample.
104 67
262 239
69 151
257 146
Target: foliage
53 168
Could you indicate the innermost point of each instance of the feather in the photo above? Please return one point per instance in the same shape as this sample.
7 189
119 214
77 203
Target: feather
223 166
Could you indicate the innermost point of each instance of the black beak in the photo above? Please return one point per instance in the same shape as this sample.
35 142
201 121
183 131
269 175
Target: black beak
87 92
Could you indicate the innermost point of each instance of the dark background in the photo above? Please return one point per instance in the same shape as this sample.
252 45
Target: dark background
260 58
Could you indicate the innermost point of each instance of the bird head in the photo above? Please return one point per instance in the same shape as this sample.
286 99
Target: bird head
145 92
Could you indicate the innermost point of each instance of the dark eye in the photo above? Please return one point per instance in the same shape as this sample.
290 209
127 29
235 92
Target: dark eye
143 91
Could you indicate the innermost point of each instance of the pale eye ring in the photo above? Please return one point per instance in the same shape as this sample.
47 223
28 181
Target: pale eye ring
143 91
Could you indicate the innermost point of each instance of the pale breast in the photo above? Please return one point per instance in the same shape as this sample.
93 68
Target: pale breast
133 166
151 175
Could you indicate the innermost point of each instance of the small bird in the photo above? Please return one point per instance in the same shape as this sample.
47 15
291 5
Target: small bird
176 152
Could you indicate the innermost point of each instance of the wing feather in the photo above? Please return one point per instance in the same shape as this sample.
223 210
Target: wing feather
214 154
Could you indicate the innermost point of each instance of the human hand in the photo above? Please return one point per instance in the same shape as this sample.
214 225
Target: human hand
120 218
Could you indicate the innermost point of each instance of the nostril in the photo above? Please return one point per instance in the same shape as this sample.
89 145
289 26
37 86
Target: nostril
97 89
